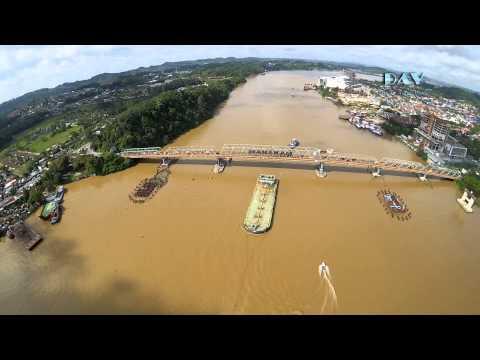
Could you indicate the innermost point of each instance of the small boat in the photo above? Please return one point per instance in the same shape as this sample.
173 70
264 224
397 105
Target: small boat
56 216
57 196
219 166
293 143
323 270
50 198
48 209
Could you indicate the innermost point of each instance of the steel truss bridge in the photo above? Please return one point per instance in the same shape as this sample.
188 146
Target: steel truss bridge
305 155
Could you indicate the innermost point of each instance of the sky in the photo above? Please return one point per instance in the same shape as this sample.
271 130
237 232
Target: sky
24 68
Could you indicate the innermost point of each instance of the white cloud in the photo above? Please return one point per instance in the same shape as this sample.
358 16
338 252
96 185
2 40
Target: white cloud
28 68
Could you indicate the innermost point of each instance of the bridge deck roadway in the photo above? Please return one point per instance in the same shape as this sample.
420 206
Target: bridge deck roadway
304 155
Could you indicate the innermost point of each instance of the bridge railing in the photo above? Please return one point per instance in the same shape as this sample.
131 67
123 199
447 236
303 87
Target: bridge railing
413 165
189 150
136 150
267 150
281 153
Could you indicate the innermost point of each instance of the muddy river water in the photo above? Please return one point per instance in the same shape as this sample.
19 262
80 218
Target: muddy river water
185 252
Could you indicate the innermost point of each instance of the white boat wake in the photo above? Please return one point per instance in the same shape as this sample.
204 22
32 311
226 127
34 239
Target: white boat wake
330 296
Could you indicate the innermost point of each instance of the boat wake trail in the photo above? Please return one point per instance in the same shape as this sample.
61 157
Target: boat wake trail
330 303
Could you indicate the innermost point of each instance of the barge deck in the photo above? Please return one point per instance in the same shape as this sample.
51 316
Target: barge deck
260 211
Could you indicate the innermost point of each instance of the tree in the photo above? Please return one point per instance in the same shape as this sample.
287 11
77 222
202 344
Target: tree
35 196
422 154
471 182
29 167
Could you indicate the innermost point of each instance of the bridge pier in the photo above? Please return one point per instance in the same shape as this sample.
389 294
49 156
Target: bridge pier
422 177
220 165
466 201
320 170
377 172
166 161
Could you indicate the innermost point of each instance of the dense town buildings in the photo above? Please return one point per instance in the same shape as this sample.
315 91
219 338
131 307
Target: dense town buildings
433 117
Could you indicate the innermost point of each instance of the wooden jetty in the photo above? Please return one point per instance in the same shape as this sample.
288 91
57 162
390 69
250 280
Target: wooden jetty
23 233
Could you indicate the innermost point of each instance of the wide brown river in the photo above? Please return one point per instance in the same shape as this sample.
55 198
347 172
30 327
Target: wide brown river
185 252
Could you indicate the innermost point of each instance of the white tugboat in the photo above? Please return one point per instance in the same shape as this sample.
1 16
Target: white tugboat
294 143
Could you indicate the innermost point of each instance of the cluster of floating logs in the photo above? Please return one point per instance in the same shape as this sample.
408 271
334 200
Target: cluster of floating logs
394 205
147 188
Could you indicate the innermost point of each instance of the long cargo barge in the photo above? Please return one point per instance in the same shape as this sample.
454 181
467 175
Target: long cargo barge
260 211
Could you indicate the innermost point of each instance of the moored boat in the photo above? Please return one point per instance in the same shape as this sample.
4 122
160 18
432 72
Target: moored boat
323 270
219 166
57 196
56 216
48 210
293 143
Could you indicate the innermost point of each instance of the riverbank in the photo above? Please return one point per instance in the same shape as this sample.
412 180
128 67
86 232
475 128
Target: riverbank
191 106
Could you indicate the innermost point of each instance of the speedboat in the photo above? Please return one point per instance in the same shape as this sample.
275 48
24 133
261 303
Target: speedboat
294 143
323 269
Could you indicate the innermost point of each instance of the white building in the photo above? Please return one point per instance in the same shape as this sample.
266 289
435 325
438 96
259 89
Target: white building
339 82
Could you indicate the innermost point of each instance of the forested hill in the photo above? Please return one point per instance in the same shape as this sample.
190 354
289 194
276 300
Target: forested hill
456 93
101 80
114 93
132 76
157 121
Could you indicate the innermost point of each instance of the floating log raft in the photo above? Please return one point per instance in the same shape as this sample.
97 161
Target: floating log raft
394 205
23 233
147 188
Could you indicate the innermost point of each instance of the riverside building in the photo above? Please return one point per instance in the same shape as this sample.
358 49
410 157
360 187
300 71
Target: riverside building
433 137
